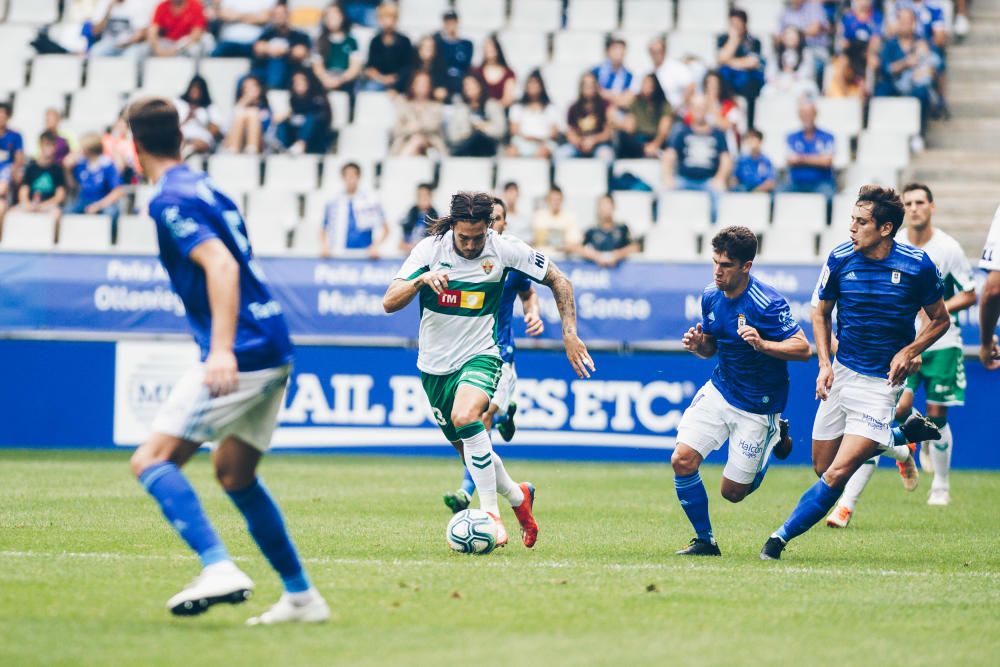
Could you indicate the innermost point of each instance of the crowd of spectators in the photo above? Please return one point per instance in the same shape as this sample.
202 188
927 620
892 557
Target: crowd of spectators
698 119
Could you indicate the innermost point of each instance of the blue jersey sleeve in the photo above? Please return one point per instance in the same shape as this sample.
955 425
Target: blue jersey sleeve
520 282
777 321
828 287
185 224
706 307
929 283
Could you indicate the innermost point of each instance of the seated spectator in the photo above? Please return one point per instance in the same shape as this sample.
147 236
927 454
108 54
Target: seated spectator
906 61
43 188
477 122
534 122
65 138
754 171
791 71
306 127
721 109
119 27
740 63
419 128
241 24
930 21
588 124
11 157
847 77
614 79
675 77
644 127
339 63
859 38
427 59
390 54
810 156
517 225
201 122
279 51
251 118
810 19
496 75
554 228
697 157
178 28
96 181
354 220
415 223
119 147
608 242
455 52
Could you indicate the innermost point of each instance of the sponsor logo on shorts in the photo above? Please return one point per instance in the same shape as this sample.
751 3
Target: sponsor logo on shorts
462 299
875 423
751 449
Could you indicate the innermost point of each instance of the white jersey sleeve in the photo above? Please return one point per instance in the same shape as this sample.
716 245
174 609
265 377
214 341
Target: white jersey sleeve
991 252
418 261
518 255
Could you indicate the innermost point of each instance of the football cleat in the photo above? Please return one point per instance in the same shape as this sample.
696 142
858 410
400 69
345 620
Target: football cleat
784 446
507 428
939 498
288 610
501 531
772 549
218 583
699 547
529 529
918 428
908 471
839 517
457 501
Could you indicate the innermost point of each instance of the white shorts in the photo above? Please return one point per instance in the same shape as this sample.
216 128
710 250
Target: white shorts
505 388
858 405
250 413
710 420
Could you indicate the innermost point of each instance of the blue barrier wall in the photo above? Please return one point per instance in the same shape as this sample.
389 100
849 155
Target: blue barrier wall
76 394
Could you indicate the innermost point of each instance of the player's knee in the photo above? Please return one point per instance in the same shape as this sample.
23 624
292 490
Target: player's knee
233 479
684 462
460 418
735 494
836 477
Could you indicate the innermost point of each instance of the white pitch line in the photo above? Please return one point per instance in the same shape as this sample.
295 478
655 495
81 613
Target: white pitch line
776 568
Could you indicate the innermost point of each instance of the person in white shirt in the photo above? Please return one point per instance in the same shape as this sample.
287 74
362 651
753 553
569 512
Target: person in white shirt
676 78
242 23
535 122
119 27
354 222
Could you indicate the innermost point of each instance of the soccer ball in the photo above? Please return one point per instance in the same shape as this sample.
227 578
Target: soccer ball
472 532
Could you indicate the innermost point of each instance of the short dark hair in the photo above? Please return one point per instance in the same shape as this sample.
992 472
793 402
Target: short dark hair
737 243
910 187
738 13
511 184
497 201
5 106
350 165
465 206
753 132
885 204
555 188
425 186
48 137
155 126
612 40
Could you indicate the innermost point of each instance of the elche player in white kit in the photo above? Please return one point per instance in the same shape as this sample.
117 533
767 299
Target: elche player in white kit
989 300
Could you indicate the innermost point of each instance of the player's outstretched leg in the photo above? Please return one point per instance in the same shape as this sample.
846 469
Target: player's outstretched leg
505 423
844 510
916 428
479 462
784 447
694 501
940 457
462 498
220 580
235 466
522 499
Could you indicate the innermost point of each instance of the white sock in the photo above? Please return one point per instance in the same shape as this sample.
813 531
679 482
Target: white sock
506 486
896 452
479 461
941 458
857 483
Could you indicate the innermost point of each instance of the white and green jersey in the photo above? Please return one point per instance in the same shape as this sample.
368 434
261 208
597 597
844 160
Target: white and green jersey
462 322
991 251
956 272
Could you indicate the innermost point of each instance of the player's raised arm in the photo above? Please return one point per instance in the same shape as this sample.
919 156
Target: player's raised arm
412 276
562 291
222 282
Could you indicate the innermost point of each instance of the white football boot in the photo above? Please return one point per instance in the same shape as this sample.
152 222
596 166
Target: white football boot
217 583
939 497
295 608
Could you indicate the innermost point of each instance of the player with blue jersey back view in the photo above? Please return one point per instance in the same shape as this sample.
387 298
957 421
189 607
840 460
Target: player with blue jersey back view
878 286
751 328
502 406
233 396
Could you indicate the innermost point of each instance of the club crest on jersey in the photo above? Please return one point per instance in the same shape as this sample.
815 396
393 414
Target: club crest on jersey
487 266
741 320
896 277
462 299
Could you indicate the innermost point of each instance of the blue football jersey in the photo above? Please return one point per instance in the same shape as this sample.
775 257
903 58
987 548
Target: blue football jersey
748 379
516 282
877 302
188 211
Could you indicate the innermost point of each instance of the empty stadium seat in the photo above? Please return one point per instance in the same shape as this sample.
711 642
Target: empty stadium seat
601 15
700 44
137 235
478 15
340 104
401 175
85 233
702 15
647 169
530 174
63 73
543 15
112 74
584 207
840 116
465 173
268 234
291 173
685 209
417 17
374 109
35 12
884 148
762 17
306 238
12 74
791 245
583 48
581 175
525 50
860 173
562 82
141 197
834 235
647 15
843 206
634 209
234 174
15 43
272 207
93 110
777 116
167 76
363 142
279 101
894 114
314 209
671 243
750 209
222 76
28 231
637 58
794 210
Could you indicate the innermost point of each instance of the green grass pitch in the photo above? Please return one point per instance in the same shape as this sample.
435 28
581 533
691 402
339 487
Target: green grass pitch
87 563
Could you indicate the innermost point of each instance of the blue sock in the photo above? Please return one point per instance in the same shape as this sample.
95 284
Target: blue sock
182 509
813 506
267 527
694 501
758 479
467 484
897 436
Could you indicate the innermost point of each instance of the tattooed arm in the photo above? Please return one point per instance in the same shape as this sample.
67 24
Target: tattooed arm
562 291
